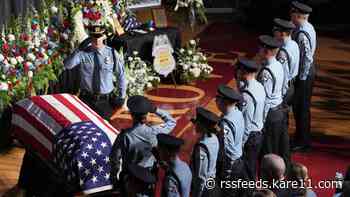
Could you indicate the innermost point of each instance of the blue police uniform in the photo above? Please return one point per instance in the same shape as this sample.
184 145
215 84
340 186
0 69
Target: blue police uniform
253 113
305 36
89 58
134 145
276 139
178 178
204 159
288 56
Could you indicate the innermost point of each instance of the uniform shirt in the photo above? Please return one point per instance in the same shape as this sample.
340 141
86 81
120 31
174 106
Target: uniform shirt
177 181
306 51
289 61
86 60
134 145
273 96
233 130
253 110
204 163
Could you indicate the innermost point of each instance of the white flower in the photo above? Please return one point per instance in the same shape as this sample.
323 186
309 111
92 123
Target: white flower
4 86
130 59
54 9
19 59
37 63
65 36
192 42
1 57
185 66
204 58
135 53
13 61
3 76
182 50
149 85
45 56
196 72
30 74
195 58
190 52
11 37
31 57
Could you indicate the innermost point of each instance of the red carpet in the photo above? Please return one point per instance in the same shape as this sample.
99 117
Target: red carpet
225 42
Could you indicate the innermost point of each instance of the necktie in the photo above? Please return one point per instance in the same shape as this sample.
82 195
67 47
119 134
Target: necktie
96 80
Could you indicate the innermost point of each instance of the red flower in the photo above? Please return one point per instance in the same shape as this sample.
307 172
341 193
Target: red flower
5 47
23 50
24 37
34 26
25 67
40 55
66 24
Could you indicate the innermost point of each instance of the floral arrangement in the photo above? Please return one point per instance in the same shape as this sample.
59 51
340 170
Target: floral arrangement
196 8
97 12
140 76
192 63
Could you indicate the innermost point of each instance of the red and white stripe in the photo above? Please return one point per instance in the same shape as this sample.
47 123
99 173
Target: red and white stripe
38 119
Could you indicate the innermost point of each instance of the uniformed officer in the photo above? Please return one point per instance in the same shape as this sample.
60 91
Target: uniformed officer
305 35
253 112
99 65
230 164
205 153
288 55
134 145
140 181
271 75
178 176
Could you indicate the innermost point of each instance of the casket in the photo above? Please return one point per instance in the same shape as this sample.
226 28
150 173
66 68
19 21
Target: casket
65 132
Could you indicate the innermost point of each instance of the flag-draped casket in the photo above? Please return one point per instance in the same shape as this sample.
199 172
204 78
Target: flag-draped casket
65 131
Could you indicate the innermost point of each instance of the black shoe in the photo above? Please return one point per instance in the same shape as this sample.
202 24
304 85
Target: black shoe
301 148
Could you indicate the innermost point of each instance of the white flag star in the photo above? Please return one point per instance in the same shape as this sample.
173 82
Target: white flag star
94 139
80 131
87 172
84 155
98 134
103 144
93 161
89 146
107 176
98 152
94 179
106 159
100 169
80 164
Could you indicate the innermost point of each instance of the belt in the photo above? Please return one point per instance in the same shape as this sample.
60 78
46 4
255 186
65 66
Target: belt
95 96
278 107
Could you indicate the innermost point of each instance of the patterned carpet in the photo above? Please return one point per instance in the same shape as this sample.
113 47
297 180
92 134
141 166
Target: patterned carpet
224 43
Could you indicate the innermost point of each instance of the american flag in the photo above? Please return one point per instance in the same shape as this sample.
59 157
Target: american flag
39 120
131 23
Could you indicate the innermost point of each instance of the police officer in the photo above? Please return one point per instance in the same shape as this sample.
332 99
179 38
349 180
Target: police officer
134 145
205 153
230 164
305 35
99 65
253 113
271 75
140 181
288 55
178 176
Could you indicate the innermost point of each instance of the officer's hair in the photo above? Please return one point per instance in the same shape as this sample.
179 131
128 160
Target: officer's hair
139 118
274 164
263 193
298 173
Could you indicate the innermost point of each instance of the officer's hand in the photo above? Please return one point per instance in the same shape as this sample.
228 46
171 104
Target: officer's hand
83 45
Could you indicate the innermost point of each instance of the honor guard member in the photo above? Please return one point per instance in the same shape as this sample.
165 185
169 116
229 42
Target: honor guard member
134 145
230 164
205 153
288 55
305 35
99 66
141 181
253 113
178 176
271 76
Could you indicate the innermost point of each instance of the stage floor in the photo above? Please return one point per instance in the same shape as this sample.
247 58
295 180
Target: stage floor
224 43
